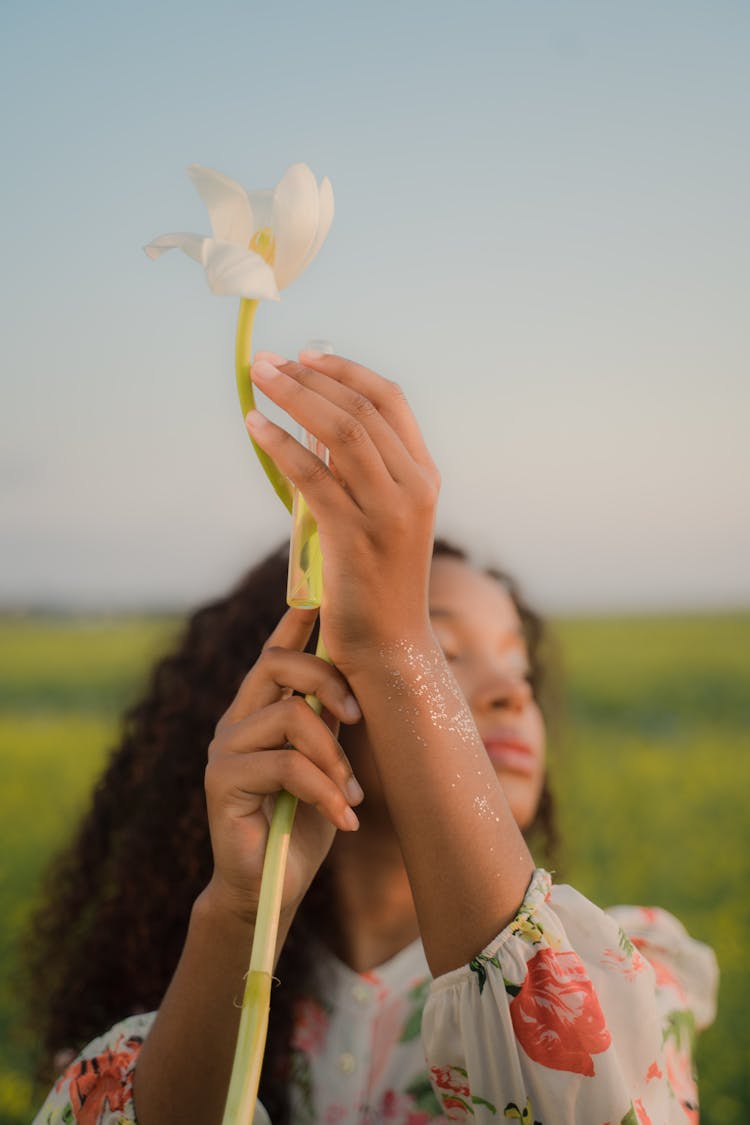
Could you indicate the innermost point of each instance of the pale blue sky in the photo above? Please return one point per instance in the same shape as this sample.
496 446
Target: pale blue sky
541 232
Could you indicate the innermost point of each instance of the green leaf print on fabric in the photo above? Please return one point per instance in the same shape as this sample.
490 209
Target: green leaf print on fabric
417 998
524 1115
424 1096
61 1115
477 965
484 1102
626 944
636 1115
301 1077
680 1026
453 1084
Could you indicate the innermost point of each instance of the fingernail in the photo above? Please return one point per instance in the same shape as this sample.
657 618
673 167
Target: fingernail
350 820
272 357
264 370
354 791
351 709
256 421
311 353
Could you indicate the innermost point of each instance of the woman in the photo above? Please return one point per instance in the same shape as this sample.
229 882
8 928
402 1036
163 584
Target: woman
536 1004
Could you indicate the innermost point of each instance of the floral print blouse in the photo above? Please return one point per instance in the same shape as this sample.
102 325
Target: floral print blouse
571 1016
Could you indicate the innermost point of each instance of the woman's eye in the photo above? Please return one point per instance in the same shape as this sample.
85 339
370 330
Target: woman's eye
518 665
450 649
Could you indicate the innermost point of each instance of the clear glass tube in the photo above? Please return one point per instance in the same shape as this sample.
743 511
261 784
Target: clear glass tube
305 578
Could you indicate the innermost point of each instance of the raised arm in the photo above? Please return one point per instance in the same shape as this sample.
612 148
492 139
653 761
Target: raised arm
467 862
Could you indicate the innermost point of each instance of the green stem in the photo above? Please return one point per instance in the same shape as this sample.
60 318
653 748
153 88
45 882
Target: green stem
251 1038
256 1002
242 359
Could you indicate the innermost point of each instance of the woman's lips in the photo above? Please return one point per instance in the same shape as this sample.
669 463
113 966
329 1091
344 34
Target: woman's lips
510 754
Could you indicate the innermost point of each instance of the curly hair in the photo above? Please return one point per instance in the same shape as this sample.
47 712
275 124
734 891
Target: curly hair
108 933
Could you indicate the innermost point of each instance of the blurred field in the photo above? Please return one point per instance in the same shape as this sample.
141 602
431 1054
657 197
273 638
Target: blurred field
653 781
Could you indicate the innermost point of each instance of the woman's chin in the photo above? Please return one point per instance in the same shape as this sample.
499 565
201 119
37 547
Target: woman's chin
523 797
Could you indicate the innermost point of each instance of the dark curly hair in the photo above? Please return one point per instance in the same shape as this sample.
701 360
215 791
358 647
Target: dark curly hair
107 936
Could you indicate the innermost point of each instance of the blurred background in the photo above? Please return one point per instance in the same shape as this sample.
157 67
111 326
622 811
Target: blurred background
542 234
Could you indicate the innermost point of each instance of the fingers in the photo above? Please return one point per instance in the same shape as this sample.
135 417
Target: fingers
269 740
307 472
289 770
294 629
359 459
384 394
360 412
285 746
363 419
282 668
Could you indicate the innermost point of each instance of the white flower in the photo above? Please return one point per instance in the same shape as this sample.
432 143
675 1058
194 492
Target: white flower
262 240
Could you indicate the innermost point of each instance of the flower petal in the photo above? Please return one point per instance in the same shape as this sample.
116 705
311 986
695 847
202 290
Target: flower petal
296 210
325 218
227 202
232 270
190 244
261 203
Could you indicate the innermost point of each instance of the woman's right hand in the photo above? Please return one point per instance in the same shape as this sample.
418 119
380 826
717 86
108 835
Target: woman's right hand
270 739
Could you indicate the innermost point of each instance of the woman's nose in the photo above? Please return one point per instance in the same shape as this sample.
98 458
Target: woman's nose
503 691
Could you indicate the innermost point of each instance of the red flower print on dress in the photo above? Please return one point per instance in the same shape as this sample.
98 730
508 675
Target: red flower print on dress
664 973
310 1027
643 1117
451 1078
626 958
680 1076
556 1014
401 1108
101 1084
636 1115
629 966
460 1109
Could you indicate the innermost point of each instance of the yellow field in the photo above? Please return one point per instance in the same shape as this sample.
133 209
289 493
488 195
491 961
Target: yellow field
653 779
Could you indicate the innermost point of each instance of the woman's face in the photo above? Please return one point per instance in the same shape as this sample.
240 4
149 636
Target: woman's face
478 627
479 630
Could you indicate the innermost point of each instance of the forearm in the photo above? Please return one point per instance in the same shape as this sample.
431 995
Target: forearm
187 1058
468 864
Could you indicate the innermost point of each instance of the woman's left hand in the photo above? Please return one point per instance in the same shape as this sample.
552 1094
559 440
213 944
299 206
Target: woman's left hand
375 505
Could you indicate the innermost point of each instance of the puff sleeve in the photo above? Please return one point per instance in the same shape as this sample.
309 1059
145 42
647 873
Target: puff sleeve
565 1018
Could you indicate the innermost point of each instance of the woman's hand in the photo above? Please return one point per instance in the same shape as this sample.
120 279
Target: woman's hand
268 740
374 506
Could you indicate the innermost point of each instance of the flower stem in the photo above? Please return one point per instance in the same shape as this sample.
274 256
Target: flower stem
245 320
251 1038
256 1002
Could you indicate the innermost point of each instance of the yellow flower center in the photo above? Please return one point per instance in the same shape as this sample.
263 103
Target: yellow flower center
263 242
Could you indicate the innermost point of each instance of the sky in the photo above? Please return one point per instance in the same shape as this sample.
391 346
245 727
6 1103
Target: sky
541 233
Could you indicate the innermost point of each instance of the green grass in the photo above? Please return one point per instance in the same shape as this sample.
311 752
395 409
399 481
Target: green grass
62 684
653 782
87 664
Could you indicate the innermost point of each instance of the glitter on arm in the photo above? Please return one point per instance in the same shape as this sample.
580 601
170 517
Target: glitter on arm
426 676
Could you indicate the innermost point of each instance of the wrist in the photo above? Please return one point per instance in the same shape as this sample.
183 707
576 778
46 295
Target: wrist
400 659
219 906
227 912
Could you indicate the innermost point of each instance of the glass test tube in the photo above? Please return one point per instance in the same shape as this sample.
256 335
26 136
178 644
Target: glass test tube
305 578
